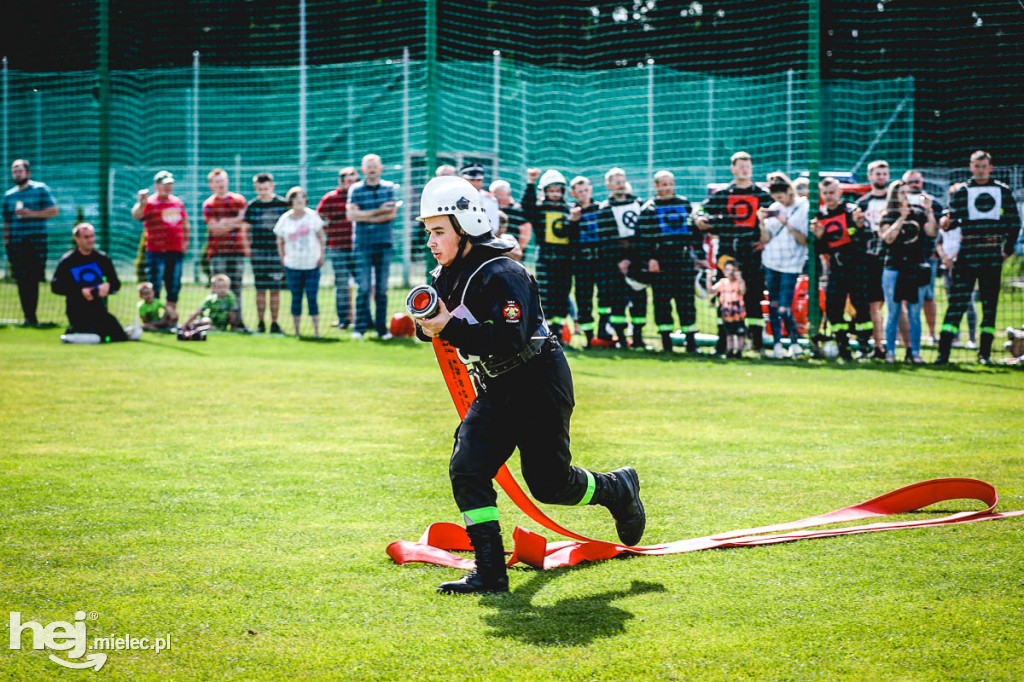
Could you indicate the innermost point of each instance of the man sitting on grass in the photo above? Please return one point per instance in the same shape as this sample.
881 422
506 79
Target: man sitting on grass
85 276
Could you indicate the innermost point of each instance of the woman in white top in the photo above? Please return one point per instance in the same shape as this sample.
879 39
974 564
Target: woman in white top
300 243
784 234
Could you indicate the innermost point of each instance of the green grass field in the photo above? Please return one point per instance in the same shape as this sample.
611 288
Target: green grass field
238 495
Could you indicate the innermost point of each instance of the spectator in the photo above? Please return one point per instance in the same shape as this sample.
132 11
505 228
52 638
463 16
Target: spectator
165 222
586 259
27 207
802 187
474 173
784 233
227 236
731 213
443 170
618 216
153 314
261 216
332 208
372 206
86 276
731 292
948 247
544 206
914 182
840 228
218 310
873 206
300 243
906 272
669 241
986 213
518 226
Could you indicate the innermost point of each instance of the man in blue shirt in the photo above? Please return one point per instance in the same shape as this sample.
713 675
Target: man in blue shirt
371 207
27 207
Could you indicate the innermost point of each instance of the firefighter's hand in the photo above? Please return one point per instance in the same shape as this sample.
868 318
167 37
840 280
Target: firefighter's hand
532 174
432 326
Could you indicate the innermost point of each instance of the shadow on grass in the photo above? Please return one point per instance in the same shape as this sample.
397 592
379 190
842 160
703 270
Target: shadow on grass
574 621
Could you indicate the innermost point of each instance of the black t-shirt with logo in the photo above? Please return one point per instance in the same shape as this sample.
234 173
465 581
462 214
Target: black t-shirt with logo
912 244
262 216
733 215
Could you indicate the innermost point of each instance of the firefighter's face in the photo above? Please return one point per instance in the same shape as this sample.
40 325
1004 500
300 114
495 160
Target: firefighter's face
442 239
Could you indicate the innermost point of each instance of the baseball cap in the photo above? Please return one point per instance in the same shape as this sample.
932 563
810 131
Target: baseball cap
163 178
472 170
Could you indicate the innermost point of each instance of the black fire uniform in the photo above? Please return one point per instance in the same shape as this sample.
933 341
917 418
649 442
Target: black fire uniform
77 271
988 218
554 254
732 213
617 224
668 236
587 260
524 399
848 271
874 208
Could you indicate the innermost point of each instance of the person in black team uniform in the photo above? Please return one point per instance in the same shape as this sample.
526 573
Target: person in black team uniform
843 232
524 388
731 214
668 241
617 217
86 276
586 241
987 216
545 208
874 206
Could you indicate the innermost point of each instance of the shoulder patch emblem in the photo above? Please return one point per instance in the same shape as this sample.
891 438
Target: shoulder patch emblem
512 312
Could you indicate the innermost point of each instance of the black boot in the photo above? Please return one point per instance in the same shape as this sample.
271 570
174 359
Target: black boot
490 574
985 348
757 337
638 339
843 339
691 342
619 491
620 335
666 342
945 343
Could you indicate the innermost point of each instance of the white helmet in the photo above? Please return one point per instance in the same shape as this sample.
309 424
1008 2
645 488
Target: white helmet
454 196
451 195
550 177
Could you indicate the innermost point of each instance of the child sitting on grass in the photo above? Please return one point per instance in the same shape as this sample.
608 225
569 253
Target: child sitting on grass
219 310
153 313
730 291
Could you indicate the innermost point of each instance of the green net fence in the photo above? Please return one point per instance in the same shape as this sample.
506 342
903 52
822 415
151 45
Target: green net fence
303 89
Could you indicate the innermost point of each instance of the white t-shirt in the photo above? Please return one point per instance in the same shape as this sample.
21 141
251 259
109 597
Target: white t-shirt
950 241
301 243
782 253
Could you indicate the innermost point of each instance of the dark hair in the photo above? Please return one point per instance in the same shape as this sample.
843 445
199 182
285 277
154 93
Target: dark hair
263 176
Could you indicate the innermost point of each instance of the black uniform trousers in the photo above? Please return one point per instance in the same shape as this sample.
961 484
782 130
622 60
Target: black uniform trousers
554 282
988 275
528 408
847 276
585 272
675 282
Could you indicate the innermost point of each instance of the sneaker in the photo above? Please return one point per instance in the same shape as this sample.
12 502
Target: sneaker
386 336
878 353
357 336
779 351
795 350
890 358
275 328
916 360
261 327
971 345
984 360
933 340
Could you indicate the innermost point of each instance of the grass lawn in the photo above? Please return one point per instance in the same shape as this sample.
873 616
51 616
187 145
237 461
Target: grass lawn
238 495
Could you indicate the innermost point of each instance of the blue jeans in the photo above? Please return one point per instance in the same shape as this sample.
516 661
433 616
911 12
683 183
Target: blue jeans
892 313
164 267
303 281
342 262
372 266
781 286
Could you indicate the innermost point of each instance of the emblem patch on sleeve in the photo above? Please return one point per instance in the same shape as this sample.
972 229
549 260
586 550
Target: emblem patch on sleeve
512 312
